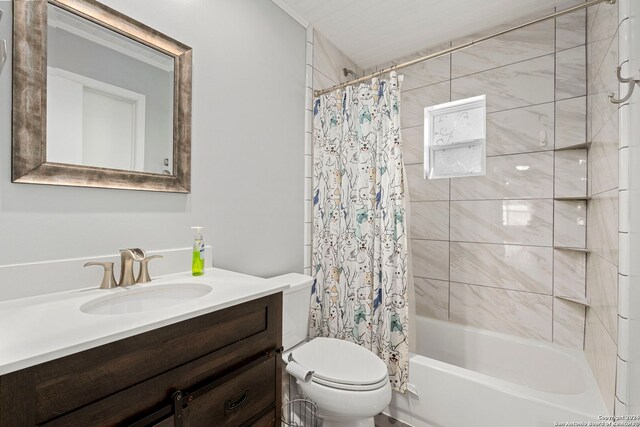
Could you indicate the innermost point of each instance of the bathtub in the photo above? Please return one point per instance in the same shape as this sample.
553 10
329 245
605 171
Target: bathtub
467 377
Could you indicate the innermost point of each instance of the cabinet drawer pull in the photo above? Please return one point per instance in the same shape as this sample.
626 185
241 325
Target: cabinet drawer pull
235 402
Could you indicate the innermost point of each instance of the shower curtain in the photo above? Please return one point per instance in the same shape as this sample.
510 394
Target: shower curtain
360 260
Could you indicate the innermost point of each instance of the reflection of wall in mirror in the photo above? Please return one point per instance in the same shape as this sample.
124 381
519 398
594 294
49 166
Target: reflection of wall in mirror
93 123
73 53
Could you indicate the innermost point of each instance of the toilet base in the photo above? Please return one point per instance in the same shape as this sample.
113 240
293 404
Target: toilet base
367 422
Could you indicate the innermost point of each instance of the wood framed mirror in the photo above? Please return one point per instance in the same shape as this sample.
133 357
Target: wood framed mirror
99 99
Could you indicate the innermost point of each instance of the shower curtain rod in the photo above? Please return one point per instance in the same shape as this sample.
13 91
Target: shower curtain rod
462 46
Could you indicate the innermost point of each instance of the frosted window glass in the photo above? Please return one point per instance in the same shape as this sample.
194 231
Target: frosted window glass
458 161
455 138
457 127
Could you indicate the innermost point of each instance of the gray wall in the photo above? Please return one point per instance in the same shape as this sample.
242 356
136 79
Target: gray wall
247 166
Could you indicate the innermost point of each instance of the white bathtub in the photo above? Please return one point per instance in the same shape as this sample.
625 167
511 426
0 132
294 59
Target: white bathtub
468 377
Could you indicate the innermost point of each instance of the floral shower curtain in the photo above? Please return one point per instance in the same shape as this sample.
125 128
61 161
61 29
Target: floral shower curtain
360 241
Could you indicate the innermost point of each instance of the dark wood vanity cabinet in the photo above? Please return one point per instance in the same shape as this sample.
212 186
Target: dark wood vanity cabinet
218 369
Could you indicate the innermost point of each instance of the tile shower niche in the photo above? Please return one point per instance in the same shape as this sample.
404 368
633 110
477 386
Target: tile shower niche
455 138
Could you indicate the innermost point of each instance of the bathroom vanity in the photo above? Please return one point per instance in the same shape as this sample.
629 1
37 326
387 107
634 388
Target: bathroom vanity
211 361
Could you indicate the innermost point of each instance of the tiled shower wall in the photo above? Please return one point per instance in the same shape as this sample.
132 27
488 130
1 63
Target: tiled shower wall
603 320
491 251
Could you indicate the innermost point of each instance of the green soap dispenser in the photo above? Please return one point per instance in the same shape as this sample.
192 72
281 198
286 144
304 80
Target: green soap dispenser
197 262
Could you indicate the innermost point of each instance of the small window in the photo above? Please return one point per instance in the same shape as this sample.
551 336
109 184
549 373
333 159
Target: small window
455 138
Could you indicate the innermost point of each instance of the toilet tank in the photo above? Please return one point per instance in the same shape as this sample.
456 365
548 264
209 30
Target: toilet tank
296 302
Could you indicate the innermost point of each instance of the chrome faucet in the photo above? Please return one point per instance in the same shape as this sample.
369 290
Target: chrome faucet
127 257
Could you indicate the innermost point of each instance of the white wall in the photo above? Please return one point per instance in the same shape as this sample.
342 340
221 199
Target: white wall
628 390
247 165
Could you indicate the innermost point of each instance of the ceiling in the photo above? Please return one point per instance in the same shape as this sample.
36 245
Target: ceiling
372 32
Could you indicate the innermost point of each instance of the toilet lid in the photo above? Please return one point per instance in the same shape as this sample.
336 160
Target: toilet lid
337 362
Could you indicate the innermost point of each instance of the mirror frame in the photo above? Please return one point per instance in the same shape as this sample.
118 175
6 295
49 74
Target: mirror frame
29 145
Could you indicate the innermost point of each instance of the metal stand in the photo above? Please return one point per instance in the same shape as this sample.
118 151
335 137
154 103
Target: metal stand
299 413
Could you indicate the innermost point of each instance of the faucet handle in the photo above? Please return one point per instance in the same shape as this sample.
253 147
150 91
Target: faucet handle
143 275
108 279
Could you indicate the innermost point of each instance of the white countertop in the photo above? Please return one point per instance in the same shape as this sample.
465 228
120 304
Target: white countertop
42 328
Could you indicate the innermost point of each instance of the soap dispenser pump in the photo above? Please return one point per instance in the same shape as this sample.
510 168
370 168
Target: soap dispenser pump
197 263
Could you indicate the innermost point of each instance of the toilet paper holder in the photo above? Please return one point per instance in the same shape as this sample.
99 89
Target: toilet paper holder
298 371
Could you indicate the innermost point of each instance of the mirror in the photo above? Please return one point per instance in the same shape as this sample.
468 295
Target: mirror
109 98
110 107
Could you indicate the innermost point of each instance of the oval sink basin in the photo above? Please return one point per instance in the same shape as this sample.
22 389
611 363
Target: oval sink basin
154 297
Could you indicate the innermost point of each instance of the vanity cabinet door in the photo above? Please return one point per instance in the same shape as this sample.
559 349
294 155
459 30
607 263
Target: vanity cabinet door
245 398
238 400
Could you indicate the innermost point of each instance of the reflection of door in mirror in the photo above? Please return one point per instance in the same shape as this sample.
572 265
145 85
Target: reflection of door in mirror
109 98
101 125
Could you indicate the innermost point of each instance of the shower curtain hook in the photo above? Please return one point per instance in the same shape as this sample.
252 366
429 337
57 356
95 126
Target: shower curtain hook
630 81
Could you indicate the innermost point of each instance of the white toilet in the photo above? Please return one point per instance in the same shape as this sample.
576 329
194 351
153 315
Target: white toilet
350 384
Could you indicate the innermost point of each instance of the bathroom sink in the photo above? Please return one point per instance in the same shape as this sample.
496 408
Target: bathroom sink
139 299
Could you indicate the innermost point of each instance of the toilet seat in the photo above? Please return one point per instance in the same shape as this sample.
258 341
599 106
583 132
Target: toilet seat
341 364
349 387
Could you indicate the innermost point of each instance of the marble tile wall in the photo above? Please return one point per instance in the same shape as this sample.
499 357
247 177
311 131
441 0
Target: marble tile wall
432 297
570 173
514 267
568 323
503 86
603 317
483 247
517 222
571 115
517 46
569 278
535 130
571 30
570 223
488 307
511 177
601 350
571 73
